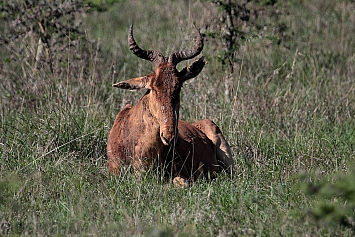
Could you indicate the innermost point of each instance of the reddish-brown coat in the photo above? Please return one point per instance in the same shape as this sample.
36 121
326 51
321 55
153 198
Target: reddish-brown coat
150 134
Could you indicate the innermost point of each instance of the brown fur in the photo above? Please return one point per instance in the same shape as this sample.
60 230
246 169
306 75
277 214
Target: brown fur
150 134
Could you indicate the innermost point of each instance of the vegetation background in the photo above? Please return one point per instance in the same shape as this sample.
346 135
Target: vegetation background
279 83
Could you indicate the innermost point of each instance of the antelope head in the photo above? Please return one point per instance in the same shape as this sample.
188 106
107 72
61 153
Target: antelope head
164 84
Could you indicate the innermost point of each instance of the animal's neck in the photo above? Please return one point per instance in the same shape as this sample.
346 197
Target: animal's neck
150 122
148 142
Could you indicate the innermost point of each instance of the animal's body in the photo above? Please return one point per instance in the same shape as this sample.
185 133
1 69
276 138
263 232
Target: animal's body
149 133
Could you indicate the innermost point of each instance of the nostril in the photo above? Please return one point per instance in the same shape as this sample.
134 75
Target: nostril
165 140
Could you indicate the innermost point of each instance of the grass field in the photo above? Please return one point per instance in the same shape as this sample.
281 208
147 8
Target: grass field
287 111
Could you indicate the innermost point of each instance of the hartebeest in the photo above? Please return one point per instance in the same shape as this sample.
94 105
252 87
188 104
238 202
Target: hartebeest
150 133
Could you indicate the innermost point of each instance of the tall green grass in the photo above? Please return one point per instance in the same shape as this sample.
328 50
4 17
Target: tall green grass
290 112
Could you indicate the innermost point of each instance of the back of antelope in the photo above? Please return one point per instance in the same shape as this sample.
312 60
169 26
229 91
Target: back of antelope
150 133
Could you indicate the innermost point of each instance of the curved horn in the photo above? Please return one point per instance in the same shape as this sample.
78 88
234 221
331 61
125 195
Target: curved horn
151 55
179 56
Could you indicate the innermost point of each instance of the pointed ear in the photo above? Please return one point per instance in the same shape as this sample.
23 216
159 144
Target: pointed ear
193 69
134 83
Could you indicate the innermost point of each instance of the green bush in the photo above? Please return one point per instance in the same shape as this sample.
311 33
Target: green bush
335 199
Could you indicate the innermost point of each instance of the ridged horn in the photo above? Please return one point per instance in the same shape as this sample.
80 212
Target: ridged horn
179 56
154 56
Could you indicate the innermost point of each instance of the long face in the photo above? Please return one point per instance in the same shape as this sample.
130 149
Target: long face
165 87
